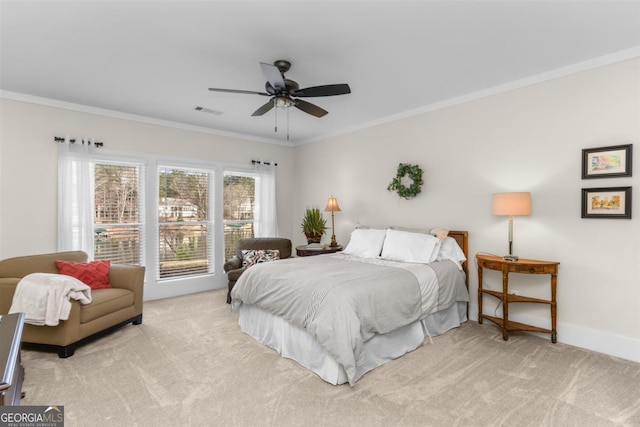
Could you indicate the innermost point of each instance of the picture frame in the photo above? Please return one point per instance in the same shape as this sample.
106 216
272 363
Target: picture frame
609 202
607 162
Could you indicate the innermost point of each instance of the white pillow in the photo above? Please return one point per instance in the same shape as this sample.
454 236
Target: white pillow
450 250
365 242
405 246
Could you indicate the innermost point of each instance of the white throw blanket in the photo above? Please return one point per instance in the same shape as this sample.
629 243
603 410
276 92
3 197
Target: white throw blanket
44 298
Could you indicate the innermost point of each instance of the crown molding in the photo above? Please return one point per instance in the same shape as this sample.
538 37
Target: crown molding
16 96
598 62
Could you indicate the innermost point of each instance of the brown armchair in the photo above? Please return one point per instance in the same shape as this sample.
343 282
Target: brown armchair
234 268
110 308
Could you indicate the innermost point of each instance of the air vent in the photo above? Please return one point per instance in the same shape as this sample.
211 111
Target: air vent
208 110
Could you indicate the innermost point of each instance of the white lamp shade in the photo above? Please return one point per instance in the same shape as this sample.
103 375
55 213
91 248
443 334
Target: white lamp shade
518 203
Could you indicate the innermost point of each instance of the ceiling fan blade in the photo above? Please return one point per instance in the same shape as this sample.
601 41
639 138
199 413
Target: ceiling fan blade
266 107
273 75
248 92
326 90
309 108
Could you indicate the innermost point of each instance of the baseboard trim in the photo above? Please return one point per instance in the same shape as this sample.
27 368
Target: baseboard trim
579 336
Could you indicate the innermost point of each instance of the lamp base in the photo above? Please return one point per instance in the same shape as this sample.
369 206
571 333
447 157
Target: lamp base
511 257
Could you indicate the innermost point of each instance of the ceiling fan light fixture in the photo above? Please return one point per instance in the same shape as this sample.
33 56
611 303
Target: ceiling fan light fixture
283 101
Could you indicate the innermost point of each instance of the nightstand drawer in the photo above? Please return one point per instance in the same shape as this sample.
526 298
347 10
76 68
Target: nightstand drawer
532 269
491 265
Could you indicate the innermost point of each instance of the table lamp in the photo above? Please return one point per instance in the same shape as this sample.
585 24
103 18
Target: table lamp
510 204
332 206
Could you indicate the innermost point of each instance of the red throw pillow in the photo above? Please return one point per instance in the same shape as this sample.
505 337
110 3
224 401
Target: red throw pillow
94 273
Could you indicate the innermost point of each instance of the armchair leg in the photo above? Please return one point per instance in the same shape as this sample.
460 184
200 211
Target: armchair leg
230 285
137 320
66 351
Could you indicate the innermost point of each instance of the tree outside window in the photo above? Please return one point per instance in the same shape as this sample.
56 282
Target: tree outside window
117 220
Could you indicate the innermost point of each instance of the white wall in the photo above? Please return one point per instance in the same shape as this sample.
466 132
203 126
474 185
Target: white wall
28 173
529 139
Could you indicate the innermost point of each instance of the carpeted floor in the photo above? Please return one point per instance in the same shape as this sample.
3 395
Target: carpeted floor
188 364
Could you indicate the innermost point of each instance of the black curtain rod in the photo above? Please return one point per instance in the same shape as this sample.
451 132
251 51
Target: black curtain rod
73 141
260 162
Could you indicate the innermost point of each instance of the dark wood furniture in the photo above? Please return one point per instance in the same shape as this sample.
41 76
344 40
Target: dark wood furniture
10 363
522 266
304 250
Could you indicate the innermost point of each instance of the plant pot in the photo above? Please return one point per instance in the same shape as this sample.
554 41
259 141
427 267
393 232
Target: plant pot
313 238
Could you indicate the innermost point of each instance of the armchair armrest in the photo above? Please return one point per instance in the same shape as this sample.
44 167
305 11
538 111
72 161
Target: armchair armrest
7 289
232 264
131 277
125 276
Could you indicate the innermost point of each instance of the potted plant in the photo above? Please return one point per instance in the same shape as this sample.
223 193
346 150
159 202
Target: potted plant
313 225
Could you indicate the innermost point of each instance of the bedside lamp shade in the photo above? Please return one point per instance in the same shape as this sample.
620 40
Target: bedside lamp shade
332 206
511 204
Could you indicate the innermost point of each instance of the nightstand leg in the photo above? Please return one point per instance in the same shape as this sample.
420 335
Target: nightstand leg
480 295
554 283
505 305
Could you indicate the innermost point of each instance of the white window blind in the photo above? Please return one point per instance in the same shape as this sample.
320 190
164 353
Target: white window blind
119 213
185 224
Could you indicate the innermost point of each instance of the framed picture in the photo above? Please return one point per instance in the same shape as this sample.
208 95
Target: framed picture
607 162
612 202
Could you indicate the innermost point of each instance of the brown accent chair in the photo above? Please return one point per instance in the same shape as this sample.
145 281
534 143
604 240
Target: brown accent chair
110 308
234 268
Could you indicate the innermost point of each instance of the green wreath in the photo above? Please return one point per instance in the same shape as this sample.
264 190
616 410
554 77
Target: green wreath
415 173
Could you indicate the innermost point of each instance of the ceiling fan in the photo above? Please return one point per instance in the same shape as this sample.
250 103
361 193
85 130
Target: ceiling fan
285 92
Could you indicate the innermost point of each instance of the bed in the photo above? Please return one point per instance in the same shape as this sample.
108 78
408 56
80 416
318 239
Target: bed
341 315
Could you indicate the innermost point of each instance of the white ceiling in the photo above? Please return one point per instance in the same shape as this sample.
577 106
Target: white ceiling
156 59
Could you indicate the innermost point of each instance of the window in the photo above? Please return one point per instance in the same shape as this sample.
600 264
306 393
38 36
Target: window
114 206
185 228
239 209
117 224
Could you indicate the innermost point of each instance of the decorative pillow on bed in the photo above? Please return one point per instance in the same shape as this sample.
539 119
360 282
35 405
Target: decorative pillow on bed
94 273
449 249
405 246
440 233
256 256
365 242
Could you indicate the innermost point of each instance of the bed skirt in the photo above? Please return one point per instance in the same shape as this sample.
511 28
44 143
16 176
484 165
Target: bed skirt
297 344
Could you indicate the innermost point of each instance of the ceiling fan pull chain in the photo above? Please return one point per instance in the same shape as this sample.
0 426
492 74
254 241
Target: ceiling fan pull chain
287 124
276 115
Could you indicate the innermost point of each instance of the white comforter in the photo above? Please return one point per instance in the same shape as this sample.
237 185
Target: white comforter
344 301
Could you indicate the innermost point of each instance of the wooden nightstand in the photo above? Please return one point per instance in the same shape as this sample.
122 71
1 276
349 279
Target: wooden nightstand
522 266
305 251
